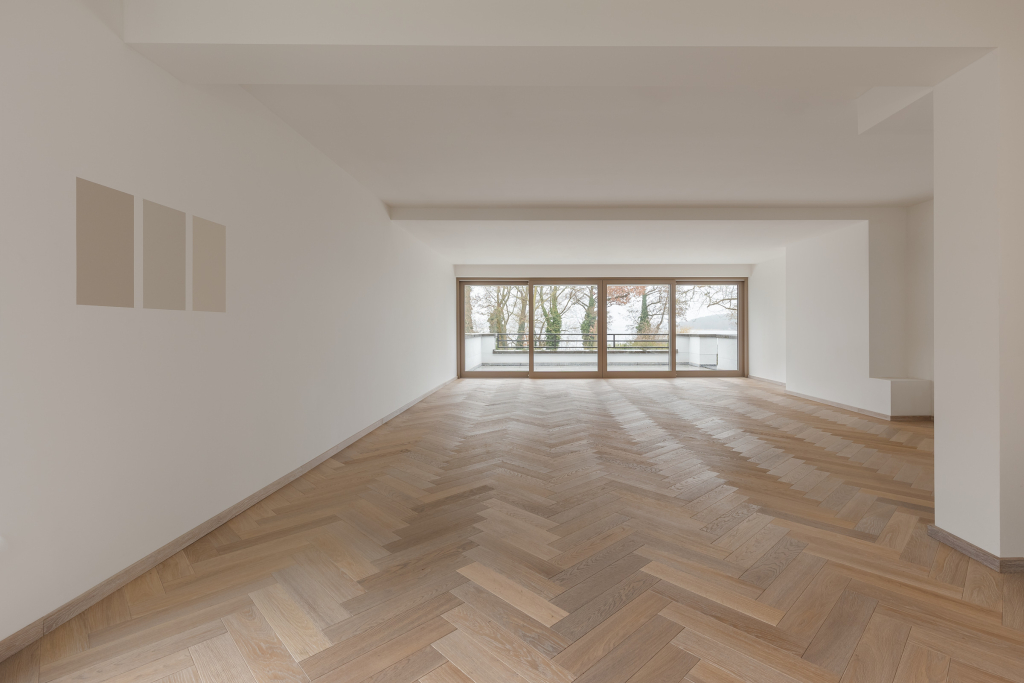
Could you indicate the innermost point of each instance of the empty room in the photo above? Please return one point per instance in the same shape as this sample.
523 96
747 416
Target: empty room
511 341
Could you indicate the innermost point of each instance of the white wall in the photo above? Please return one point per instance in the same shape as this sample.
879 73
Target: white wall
121 429
967 246
920 291
828 343
766 319
887 292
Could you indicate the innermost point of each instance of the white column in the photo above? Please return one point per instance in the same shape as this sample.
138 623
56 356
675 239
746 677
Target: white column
979 217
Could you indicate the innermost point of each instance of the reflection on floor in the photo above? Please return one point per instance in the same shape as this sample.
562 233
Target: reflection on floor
709 530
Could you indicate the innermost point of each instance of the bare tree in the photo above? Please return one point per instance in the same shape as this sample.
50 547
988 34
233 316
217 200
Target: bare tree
501 306
467 312
588 324
522 336
724 297
647 307
551 304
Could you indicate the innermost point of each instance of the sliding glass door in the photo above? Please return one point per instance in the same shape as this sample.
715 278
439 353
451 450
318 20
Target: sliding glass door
638 320
565 328
495 338
602 328
708 325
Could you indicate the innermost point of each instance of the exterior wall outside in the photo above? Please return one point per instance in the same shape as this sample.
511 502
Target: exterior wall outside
706 349
728 358
474 350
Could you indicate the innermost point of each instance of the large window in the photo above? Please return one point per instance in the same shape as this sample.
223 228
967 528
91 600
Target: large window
565 327
707 327
495 337
639 317
602 328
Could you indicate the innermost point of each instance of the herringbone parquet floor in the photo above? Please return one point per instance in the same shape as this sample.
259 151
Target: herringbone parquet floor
706 530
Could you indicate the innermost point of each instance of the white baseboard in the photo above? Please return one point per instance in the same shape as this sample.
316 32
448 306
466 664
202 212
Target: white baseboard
835 404
765 379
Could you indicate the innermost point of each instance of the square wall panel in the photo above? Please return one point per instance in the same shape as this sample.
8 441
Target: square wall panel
209 266
105 243
163 257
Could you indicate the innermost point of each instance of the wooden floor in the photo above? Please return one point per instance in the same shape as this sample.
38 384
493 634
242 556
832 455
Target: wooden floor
706 530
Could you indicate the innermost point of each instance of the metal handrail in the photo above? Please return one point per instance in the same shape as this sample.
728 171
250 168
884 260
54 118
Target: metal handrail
512 340
569 340
566 340
647 340
577 340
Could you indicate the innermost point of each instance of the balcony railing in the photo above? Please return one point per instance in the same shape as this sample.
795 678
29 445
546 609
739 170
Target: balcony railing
640 341
510 342
569 342
507 341
709 350
566 341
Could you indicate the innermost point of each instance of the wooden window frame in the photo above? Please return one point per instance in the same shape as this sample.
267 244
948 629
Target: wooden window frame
460 287
741 326
588 374
742 350
603 327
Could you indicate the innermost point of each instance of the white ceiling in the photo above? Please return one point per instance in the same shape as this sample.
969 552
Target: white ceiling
433 120
299 63
600 145
513 242
458 125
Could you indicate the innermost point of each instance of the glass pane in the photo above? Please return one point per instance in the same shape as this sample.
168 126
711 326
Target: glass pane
638 327
496 337
565 328
706 327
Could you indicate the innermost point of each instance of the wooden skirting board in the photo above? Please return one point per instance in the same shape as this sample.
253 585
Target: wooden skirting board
1003 565
20 639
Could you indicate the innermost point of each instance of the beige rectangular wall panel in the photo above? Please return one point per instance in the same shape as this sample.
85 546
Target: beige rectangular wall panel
209 266
105 236
163 257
